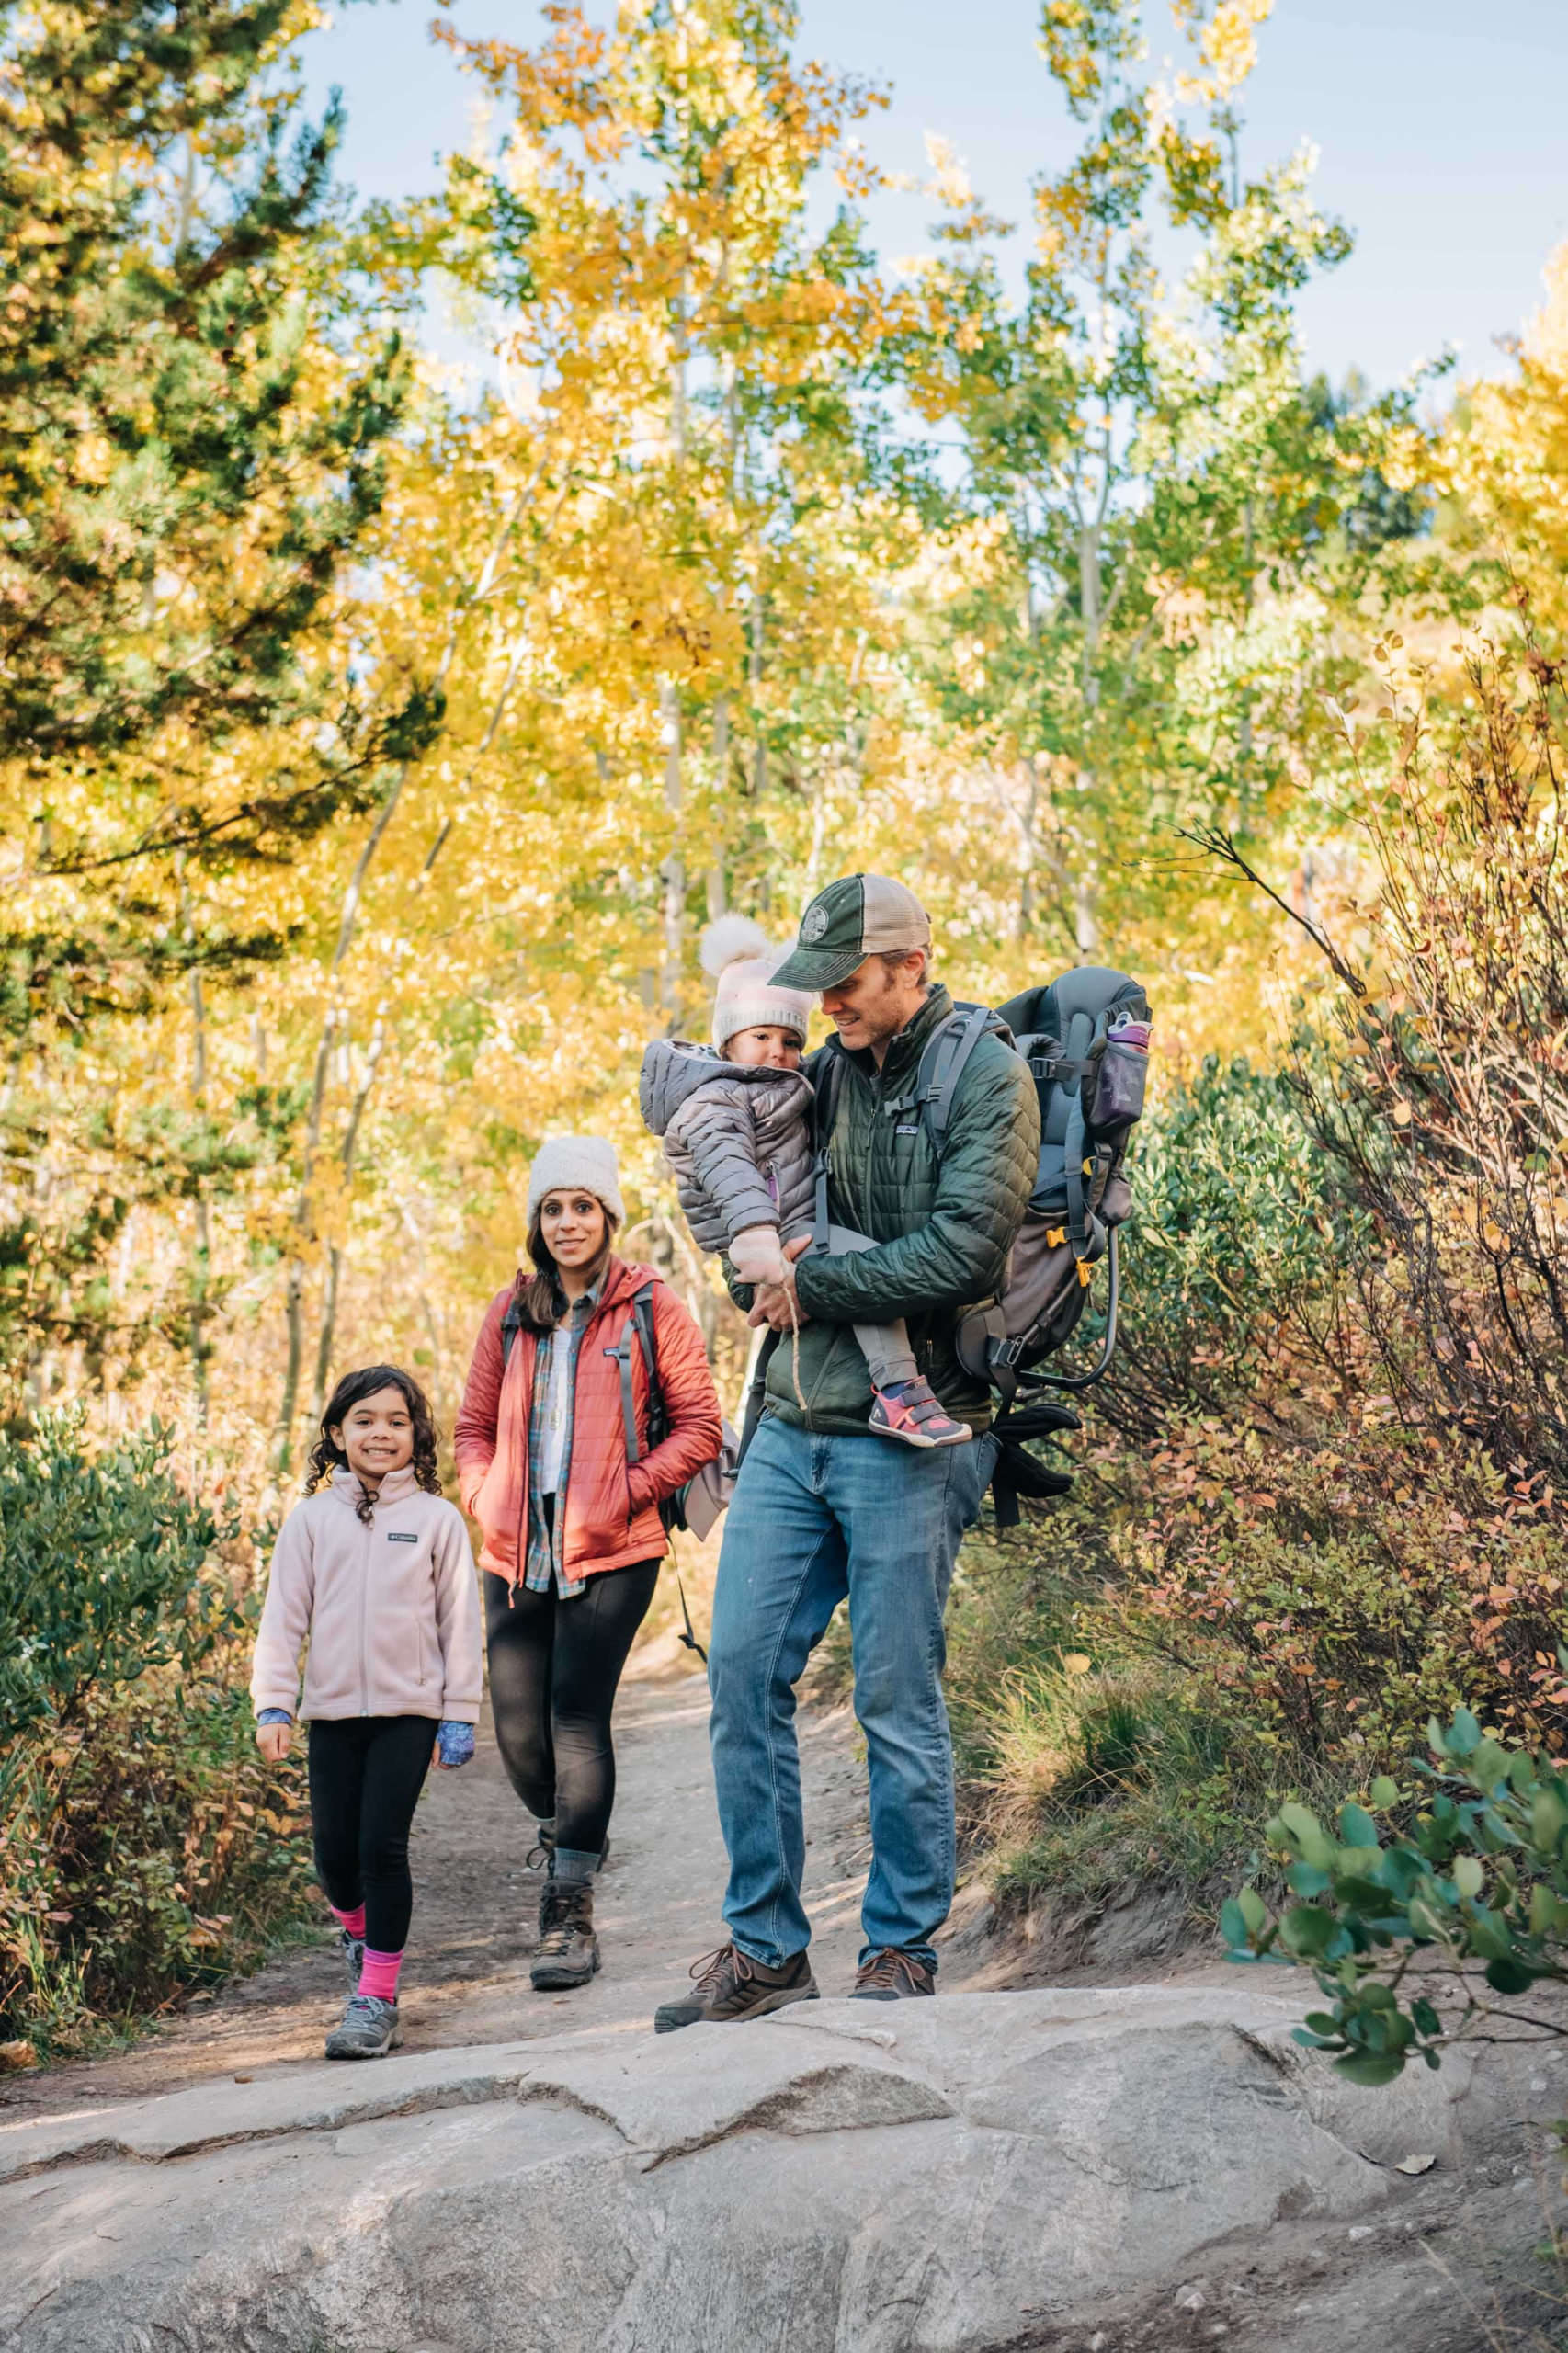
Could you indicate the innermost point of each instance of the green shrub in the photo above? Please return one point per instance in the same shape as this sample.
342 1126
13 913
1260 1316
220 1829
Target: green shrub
1464 1890
145 1847
1234 1258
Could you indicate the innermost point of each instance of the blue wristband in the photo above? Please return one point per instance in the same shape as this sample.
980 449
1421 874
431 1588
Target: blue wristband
274 1716
456 1743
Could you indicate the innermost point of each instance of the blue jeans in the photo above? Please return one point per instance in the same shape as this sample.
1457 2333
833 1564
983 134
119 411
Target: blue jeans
814 1517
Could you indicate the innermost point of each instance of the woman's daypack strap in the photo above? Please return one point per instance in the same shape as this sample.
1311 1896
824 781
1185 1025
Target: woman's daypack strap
640 1323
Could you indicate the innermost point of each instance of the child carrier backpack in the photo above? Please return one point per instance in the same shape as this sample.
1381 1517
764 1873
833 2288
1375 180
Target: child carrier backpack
1086 1039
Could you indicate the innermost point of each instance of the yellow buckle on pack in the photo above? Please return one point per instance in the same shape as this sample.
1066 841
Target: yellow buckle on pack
1085 1273
1088 1167
1056 1237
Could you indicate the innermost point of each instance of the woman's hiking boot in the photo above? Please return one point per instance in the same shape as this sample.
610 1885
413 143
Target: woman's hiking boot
891 1974
730 1986
568 1950
370 2029
912 1413
353 1951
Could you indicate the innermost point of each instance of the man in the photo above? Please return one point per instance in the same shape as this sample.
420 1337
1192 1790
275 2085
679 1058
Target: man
824 1508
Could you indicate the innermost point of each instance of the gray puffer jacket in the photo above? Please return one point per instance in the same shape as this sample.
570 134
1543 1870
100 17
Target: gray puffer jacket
738 1140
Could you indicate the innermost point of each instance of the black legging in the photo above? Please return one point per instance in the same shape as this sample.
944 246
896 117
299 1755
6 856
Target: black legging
554 1665
366 1776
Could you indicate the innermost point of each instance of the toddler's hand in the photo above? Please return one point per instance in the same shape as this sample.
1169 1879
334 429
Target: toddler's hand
757 1257
273 1741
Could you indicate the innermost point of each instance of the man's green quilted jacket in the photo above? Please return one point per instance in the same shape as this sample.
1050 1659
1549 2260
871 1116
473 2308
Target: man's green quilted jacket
945 1234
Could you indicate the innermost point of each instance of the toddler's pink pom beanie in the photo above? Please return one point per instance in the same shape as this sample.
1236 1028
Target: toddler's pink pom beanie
740 956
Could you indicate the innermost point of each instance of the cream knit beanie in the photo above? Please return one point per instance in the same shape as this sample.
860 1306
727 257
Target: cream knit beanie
740 956
584 1164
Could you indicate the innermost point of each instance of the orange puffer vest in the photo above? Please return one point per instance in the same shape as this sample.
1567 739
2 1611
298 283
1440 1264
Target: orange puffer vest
612 1514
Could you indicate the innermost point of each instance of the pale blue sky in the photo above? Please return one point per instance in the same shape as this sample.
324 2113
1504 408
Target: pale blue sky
1440 125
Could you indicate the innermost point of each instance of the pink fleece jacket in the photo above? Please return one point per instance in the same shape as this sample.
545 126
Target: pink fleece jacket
390 1608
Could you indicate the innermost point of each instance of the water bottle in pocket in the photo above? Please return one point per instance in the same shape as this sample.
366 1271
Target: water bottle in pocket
1121 1076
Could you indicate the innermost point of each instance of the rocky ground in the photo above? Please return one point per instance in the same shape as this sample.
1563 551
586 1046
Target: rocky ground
1119 2168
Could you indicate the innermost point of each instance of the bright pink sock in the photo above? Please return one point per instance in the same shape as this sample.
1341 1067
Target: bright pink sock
352 1923
378 1974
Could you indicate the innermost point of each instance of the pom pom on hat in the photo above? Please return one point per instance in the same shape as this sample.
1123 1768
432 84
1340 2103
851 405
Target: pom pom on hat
729 936
576 1164
741 958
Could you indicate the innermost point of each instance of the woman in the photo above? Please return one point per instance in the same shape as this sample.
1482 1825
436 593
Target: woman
573 1537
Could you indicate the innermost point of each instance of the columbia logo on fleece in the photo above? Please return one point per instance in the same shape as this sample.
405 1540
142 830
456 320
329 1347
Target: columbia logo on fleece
403 1536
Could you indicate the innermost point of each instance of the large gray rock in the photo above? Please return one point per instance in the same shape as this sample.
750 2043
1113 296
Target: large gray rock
979 2171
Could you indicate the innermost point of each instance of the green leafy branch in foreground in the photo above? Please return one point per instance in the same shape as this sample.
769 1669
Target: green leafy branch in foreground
1468 1900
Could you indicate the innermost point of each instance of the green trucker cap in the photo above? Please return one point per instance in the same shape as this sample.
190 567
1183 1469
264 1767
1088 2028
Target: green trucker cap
860 916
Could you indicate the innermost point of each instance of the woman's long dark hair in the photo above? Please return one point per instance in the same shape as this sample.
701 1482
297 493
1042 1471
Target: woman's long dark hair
328 1456
542 1302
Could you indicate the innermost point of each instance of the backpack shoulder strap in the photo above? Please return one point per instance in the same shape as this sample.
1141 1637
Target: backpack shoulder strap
639 1324
511 1325
642 1319
826 1112
944 1062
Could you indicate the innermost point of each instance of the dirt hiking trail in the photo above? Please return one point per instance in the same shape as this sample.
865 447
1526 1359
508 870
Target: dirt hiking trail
476 1906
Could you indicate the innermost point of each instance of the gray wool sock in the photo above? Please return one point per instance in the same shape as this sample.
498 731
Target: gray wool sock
571 1865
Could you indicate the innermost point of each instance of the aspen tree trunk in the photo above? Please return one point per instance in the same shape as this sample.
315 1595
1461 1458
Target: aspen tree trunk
718 878
1085 927
304 1208
201 1256
754 679
202 1266
334 1260
674 868
674 873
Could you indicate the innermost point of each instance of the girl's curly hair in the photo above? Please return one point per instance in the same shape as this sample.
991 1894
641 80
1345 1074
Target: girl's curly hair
328 1456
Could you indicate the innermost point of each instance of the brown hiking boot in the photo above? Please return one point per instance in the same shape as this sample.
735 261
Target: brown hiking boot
730 1986
568 1950
891 1976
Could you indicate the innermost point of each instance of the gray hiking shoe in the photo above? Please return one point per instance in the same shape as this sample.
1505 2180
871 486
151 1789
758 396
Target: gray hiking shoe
370 2029
353 1951
730 1986
568 1950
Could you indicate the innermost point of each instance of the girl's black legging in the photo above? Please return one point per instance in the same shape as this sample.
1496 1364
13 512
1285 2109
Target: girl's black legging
554 1665
366 1776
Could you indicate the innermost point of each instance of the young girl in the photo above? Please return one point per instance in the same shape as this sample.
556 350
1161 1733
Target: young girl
375 1570
573 1537
736 1125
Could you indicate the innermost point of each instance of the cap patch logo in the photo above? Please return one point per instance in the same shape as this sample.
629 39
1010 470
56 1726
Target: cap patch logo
813 923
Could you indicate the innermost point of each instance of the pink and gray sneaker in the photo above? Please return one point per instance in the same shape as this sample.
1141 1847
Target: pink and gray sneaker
911 1414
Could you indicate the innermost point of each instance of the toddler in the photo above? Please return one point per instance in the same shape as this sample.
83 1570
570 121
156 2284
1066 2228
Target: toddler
374 1571
736 1124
